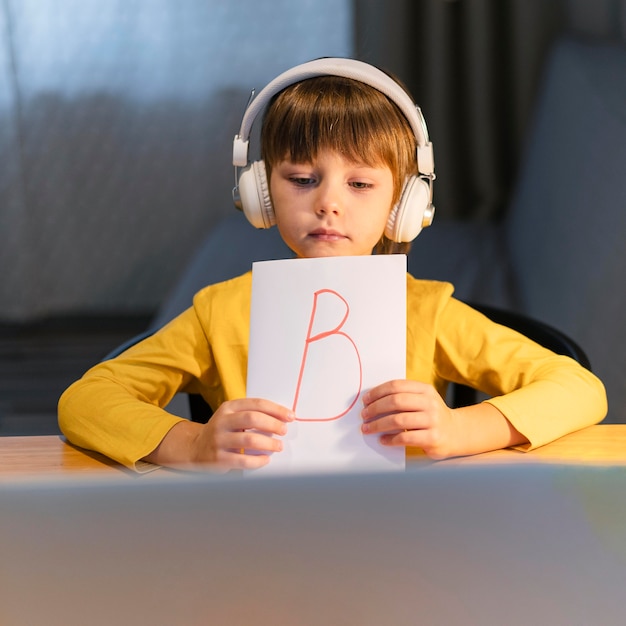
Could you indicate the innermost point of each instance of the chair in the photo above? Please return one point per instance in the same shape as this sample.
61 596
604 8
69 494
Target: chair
459 395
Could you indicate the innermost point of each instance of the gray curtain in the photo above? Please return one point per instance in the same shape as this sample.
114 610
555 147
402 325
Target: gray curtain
474 66
116 126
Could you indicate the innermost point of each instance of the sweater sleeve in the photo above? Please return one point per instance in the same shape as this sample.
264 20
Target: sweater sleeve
117 407
542 394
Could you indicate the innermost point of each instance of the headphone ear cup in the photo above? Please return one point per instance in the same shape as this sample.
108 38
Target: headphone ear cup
254 195
413 212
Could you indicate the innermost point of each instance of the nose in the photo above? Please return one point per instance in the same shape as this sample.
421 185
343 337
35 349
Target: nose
328 199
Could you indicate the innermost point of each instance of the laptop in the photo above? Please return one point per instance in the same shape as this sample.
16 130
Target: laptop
481 545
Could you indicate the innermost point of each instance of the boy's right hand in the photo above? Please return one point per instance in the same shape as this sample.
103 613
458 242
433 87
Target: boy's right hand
241 434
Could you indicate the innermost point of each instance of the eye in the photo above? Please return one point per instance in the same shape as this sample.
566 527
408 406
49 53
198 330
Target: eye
301 181
359 184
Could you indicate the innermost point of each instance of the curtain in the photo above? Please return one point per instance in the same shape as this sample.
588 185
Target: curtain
116 127
474 66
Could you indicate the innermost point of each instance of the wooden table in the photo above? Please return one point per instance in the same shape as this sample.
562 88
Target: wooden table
51 456
604 444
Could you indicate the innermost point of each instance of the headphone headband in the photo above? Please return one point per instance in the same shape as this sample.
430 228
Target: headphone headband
347 68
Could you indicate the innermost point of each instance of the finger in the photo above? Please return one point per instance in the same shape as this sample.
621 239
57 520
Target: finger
251 420
261 405
397 423
392 387
249 441
236 460
403 438
400 405
428 440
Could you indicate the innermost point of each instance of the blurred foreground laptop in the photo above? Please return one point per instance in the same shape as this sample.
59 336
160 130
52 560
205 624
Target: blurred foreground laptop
485 545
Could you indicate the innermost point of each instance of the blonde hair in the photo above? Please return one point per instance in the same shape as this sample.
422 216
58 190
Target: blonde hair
344 116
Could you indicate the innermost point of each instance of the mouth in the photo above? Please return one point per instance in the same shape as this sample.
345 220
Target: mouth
323 234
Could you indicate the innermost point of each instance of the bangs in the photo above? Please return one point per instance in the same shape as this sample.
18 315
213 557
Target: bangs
330 113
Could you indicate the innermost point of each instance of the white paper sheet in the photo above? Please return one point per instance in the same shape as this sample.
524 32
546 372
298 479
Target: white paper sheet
322 332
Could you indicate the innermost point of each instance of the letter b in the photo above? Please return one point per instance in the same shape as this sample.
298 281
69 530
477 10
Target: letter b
331 365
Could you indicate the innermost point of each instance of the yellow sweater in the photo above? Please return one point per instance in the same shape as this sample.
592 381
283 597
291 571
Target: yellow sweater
116 408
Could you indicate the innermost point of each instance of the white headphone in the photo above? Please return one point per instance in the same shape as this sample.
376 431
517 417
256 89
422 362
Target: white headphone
413 211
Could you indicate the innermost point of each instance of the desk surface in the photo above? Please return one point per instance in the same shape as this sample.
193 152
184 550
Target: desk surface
52 456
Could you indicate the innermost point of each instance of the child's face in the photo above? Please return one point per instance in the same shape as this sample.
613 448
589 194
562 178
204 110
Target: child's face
331 207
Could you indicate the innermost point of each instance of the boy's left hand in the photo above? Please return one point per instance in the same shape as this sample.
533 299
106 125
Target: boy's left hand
410 413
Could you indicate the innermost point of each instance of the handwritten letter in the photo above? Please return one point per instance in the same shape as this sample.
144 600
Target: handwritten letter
333 351
322 332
